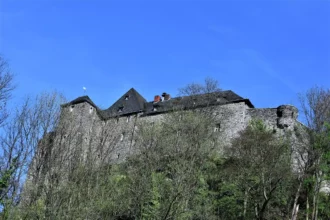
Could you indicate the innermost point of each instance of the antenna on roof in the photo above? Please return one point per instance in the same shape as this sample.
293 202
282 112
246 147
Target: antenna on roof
84 88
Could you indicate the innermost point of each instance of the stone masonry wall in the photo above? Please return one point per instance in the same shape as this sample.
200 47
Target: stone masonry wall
229 120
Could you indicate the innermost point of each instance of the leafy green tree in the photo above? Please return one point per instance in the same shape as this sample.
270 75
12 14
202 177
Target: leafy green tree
260 165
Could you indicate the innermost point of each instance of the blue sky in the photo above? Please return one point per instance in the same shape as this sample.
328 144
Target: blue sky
267 51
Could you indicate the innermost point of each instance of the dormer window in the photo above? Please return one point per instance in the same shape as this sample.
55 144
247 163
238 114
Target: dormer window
120 109
71 108
126 97
154 109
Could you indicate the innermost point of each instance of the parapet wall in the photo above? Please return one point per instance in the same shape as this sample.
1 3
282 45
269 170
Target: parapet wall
282 117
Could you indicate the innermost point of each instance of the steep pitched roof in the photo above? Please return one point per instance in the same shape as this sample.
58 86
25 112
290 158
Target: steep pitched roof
80 99
130 102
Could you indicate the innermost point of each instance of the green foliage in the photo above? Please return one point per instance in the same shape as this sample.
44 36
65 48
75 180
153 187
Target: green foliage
230 201
5 182
324 204
152 208
176 175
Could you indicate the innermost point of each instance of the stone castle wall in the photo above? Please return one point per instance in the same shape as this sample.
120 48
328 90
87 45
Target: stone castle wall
119 132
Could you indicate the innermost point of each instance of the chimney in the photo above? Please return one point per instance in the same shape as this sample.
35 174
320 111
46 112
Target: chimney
157 98
166 96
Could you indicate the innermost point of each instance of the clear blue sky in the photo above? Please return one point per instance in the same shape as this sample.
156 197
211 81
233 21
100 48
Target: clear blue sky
265 50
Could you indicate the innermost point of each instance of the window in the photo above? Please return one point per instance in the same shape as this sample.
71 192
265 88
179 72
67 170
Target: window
128 119
126 97
117 120
154 109
120 109
90 110
71 108
179 132
217 127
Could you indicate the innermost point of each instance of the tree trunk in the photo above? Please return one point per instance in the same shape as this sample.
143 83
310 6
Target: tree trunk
307 208
295 208
245 203
294 217
316 195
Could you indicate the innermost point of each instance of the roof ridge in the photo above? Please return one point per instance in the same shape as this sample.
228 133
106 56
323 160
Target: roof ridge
81 99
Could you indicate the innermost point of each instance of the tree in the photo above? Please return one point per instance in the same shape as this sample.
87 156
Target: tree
313 154
19 140
210 86
193 91
260 164
73 172
6 87
172 155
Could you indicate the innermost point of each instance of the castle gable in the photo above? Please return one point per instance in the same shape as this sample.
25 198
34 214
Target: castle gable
131 102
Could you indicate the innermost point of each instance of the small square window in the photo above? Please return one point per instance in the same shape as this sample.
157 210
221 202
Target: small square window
120 109
126 97
217 127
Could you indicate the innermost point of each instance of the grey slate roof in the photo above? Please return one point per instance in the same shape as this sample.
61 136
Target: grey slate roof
132 102
81 100
196 101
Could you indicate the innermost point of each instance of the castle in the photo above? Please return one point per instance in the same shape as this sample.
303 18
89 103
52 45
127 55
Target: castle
88 135
232 113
